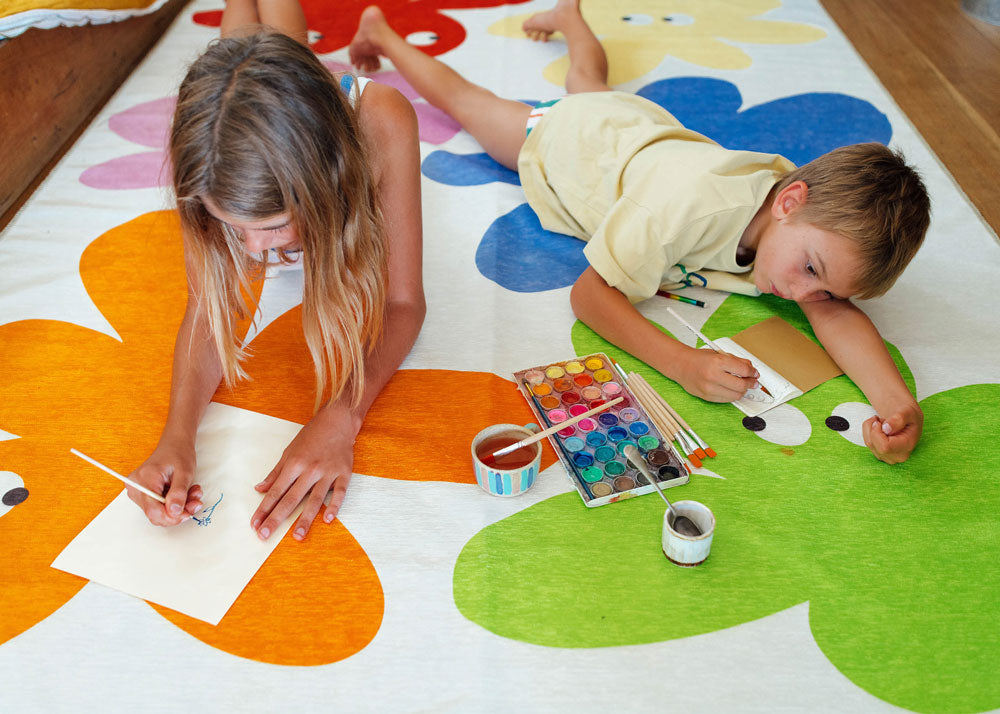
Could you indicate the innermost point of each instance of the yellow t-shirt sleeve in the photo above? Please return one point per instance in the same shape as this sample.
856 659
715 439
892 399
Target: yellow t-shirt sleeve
626 252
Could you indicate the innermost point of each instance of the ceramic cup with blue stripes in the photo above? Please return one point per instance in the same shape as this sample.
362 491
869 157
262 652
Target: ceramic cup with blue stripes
506 482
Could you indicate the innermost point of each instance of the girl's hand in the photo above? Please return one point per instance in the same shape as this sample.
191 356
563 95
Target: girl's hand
168 470
320 458
715 376
893 439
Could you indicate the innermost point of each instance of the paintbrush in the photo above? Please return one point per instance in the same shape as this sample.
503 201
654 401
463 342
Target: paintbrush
124 479
653 405
709 451
664 427
711 344
541 412
551 430
697 441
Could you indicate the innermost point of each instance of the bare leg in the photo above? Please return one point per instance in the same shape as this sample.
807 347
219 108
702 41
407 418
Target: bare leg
285 16
246 16
239 17
497 124
588 64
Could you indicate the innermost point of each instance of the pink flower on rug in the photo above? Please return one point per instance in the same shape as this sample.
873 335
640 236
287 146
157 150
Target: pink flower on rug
436 127
148 124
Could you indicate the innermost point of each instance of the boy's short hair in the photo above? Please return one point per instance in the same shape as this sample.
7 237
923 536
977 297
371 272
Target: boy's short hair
867 193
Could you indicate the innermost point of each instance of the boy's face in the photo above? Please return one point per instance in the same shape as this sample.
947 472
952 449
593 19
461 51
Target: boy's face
800 262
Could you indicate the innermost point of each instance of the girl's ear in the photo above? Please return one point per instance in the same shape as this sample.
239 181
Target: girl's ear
789 199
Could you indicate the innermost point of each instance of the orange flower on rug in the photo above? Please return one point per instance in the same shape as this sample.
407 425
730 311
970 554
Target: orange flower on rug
68 386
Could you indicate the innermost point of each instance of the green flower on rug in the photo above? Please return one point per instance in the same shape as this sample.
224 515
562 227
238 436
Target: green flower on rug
703 32
898 563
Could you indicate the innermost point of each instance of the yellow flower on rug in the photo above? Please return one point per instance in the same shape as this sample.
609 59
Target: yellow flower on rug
639 35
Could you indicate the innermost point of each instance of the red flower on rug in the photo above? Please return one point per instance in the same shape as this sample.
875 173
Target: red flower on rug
332 25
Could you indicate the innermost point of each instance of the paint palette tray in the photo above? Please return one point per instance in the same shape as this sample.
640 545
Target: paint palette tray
592 449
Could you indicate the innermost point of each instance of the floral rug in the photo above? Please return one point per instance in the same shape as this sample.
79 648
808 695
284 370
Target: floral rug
835 582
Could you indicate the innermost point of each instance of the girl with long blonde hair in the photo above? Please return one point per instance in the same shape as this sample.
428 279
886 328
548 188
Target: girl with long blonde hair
273 155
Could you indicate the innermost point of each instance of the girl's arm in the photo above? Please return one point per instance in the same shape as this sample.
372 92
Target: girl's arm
854 343
321 456
703 373
197 372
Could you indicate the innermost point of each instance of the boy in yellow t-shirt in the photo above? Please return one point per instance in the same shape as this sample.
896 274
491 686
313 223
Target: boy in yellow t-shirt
649 196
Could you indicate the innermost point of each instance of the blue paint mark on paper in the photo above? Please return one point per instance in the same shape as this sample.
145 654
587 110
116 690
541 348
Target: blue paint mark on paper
206 515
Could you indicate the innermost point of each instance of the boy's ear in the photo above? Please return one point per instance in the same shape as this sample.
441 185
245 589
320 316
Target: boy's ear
789 199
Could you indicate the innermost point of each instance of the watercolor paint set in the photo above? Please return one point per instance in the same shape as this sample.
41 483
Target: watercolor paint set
592 450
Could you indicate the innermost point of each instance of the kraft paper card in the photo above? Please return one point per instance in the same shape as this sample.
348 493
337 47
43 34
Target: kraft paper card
201 566
790 364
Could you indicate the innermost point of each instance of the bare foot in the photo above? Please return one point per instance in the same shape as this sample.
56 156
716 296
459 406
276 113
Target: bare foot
365 47
540 26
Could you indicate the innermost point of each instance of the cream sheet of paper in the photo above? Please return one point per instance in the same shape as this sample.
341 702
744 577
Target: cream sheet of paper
196 570
780 388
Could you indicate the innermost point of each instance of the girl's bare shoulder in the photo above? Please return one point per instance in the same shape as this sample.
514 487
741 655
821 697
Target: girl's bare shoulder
387 118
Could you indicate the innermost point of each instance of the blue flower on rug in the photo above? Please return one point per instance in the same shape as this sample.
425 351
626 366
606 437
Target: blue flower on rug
515 252
800 127
518 254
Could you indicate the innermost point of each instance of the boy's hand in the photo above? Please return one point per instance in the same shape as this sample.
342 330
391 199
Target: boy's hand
893 439
716 376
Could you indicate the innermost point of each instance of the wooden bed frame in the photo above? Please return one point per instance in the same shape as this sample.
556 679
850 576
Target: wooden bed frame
54 83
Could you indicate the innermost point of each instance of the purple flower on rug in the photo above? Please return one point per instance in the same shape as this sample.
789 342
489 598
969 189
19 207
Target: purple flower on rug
517 253
148 124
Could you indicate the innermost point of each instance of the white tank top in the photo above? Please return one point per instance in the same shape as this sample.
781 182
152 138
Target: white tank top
353 88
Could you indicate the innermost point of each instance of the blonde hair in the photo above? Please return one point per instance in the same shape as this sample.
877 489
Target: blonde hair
867 193
261 128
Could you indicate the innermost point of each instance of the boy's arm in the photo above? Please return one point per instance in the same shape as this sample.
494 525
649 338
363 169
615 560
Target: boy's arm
703 373
855 344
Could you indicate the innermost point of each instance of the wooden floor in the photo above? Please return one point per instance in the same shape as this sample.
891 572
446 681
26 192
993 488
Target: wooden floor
942 67
54 82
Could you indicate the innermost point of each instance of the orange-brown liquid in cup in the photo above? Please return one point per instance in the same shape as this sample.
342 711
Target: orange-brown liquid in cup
516 459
